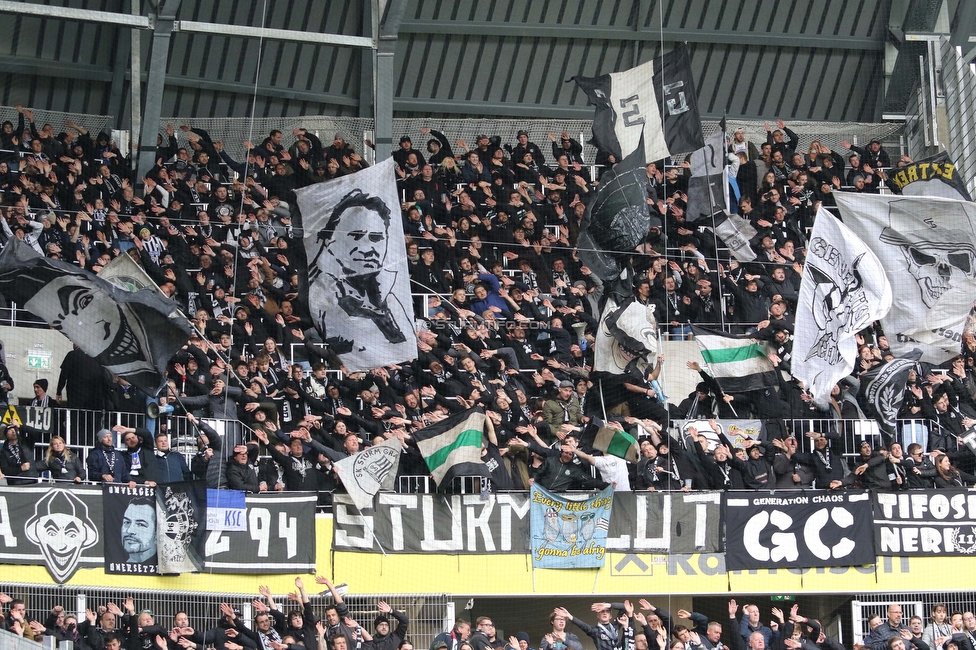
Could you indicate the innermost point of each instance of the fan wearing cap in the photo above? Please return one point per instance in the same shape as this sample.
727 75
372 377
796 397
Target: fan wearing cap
406 148
105 463
437 146
384 639
41 398
17 455
525 146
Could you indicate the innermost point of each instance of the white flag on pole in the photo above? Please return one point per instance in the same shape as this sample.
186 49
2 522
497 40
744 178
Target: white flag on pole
844 289
371 470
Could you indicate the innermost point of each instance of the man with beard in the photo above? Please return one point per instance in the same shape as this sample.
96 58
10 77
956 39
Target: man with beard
384 639
105 462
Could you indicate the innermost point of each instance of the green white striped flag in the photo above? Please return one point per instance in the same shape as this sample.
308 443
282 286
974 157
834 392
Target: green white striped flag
737 363
452 447
612 442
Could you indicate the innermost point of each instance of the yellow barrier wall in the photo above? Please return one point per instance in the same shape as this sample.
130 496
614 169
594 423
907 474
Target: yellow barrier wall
475 575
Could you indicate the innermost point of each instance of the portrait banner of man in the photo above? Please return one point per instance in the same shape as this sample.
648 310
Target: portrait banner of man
129 529
359 286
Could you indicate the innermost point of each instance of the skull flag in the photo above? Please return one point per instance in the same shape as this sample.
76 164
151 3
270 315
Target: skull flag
928 248
131 334
844 289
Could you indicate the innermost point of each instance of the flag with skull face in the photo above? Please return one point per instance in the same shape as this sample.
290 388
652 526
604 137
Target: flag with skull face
928 248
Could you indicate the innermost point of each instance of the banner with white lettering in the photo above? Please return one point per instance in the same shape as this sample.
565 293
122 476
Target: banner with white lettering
57 527
925 522
569 532
644 522
279 537
129 528
808 528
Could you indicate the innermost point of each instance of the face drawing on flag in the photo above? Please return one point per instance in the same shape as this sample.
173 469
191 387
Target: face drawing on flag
628 333
61 529
96 323
352 258
937 258
835 311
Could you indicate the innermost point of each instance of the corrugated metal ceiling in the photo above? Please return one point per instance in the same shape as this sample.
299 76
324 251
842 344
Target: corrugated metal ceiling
458 58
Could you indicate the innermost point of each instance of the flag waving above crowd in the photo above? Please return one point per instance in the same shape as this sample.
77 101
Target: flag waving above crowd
928 247
737 363
359 287
131 334
844 289
655 100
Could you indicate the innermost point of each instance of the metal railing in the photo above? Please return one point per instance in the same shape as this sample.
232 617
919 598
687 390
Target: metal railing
429 614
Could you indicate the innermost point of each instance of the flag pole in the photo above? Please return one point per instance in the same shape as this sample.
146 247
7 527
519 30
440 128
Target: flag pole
711 208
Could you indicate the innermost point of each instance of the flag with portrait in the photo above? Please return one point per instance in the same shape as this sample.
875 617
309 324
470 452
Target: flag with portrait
358 282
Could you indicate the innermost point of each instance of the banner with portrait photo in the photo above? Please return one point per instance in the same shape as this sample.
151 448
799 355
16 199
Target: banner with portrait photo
569 533
129 529
358 282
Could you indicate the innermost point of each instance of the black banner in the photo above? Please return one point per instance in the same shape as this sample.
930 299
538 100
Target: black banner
280 537
642 522
129 528
808 528
925 522
59 528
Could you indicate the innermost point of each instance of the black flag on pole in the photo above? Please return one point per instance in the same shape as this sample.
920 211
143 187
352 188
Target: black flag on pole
132 335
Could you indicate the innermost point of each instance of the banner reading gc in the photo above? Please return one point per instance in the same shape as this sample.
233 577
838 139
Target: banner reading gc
797 529
569 534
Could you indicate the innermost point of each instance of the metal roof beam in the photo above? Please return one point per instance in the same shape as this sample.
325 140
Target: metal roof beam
56 69
521 110
87 15
272 34
263 91
599 32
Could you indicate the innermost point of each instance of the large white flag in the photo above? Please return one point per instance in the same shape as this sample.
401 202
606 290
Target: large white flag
928 248
844 289
359 287
371 470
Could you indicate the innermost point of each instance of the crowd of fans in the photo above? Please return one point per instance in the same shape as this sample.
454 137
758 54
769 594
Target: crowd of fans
509 316
111 627
616 626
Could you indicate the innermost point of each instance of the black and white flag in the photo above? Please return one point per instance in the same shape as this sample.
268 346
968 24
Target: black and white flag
627 332
359 287
371 470
883 390
708 187
656 100
736 233
181 526
131 334
928 248
844 289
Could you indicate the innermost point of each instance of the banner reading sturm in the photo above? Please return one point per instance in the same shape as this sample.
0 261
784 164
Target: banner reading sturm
808 528
569 534
925 522
649 522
